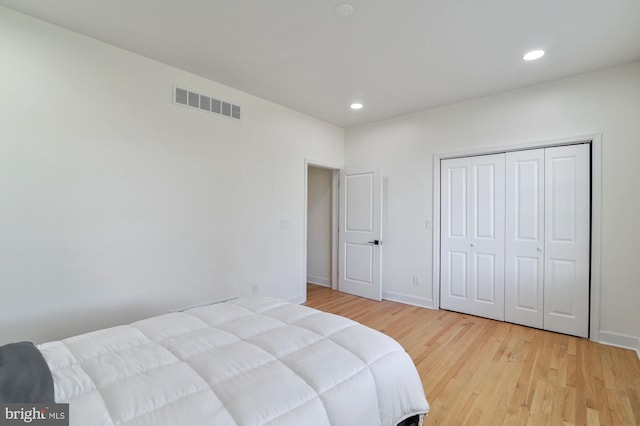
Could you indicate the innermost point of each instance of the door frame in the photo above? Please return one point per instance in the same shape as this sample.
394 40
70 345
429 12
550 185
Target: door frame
335 197
595 141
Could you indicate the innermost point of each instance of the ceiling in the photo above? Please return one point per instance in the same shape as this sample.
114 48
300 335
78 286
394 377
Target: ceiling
395 57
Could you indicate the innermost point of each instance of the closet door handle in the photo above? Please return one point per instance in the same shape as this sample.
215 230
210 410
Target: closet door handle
472 245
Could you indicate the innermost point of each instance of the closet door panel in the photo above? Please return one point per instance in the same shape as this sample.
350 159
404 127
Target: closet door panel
485 274
454 239
487 242
567 239
457 195
528 291
457 265
485 197
524 264
563 277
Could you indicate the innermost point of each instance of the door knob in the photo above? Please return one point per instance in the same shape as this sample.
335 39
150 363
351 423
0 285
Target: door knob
472 245
375 242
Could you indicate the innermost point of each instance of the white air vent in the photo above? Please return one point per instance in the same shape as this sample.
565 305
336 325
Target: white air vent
205 103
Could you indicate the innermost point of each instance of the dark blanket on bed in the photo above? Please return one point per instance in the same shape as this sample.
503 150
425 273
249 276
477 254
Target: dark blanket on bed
24 375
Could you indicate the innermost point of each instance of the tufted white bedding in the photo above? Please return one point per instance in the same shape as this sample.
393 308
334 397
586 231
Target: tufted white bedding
250 361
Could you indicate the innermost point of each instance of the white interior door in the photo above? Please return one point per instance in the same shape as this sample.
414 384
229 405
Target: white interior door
524 255
472 235
360 234
567 239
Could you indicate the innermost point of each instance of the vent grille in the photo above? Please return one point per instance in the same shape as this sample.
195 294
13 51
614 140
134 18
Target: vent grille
226 109
206 103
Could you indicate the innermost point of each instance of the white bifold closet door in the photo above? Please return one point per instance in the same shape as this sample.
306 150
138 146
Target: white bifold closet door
472 236
548 238
567 243
515 238
524 262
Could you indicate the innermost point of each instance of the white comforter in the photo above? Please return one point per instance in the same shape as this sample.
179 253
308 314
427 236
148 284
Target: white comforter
251 361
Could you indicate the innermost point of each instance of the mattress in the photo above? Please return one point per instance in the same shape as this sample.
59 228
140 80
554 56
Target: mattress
250 361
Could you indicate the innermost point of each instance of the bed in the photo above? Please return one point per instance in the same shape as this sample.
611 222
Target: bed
249 361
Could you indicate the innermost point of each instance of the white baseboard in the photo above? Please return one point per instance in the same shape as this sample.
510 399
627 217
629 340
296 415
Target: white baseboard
620 341
422 302
318 280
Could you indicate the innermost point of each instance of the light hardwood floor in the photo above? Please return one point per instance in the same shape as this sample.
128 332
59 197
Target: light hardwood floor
478 371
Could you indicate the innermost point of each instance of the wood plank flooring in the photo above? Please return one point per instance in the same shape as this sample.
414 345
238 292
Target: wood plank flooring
478 371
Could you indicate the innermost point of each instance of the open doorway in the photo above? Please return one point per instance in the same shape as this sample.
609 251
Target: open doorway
321 230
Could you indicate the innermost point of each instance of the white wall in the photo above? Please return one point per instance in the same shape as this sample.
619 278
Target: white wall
319 232
606 102
117 204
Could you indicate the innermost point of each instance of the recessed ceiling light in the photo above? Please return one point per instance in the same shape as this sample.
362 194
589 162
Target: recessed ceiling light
356 105
533 55
343 9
